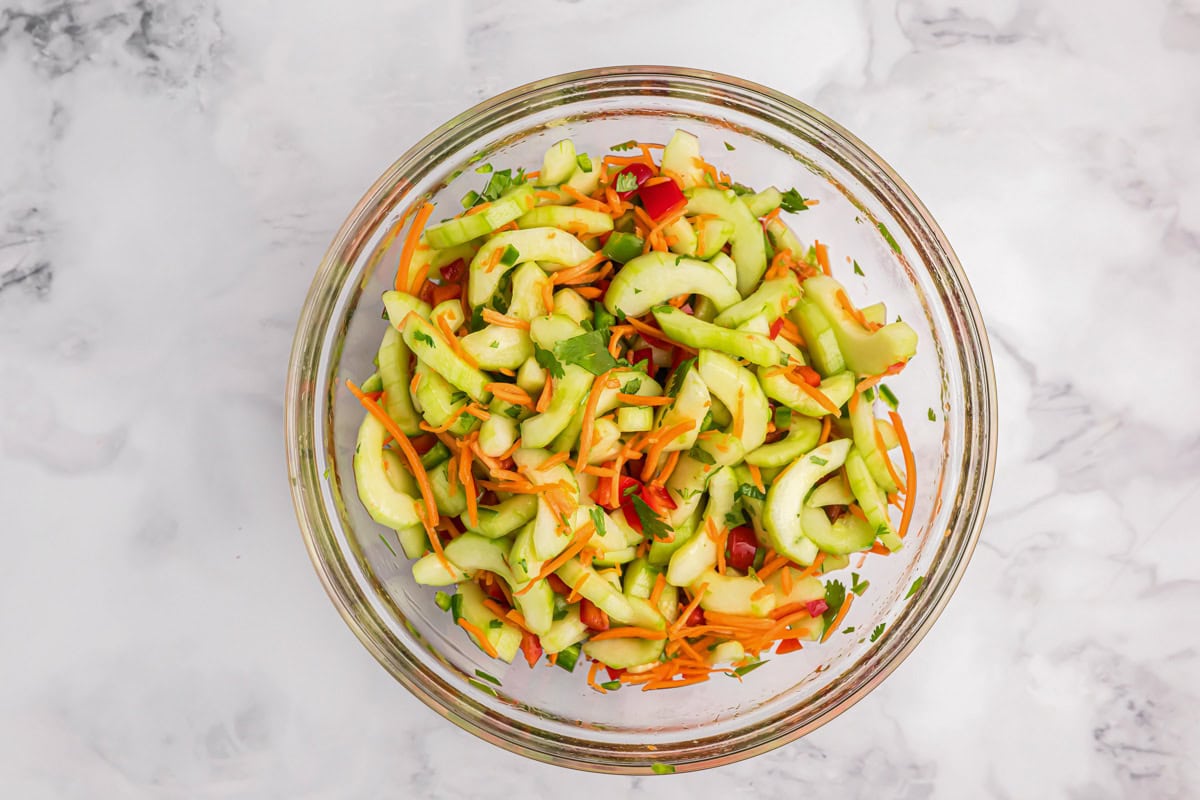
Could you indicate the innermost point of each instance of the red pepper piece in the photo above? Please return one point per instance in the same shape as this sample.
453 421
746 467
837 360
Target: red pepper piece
776 327
531 647
661 199
640 172
743 547
592 616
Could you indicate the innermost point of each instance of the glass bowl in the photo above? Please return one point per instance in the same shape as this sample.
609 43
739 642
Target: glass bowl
866 213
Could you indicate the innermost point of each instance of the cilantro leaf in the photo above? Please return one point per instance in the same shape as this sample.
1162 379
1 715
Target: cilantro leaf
588 350
623 146
728 146
700 454
424 338
484 169
548 362
820 462
848 630
793 202
652 524
598 520
835 595
932 416
611 686
513 411
734 519
916 587
858 269
626 182
888 396
738 188
856 586
887 236
746 669
487 677
751 491
875 634
632 386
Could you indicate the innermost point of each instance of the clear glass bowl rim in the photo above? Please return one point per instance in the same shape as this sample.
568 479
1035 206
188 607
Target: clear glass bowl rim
301 436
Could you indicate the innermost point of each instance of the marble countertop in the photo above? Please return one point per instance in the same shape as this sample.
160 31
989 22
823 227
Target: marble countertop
170 174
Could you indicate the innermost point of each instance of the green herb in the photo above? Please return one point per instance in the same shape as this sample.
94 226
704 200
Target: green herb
470 198
611 686
494 345
856 586
916 587
560 607
424 338
623 146
488 678
835 595
503 292
675 381
652 524
484 169
734 518
875 634
456 397
588 350
598 520
888 396
708 423
388 544
739 189
858 269
659 768
749 490
887 235
848 630
746 669
475 158
584 162
793 202
688 494
869 394
632 386
626 182
513 412
327 472
481 686
509 256
628 490
495 623
443 601
477 323
548 362
700 454
728 146
499 182
820 462
932 416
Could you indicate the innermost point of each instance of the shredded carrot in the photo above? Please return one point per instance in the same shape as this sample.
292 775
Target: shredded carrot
822 257
857 511
837 620
662 438
510 393
410 246
814 567
478 412
589 292
628 632
689 608
739 415
414 460
553 461
756 476
761 592
826 428
477 209
544 195
887 461
503 320
591 677
579 541
447 424
722 540
772 565
480 637
910 474
495 608
667 468
548 296
660 583
785 580
669 684
582 200
574 595
547 395
518 619
587 432
813 392
879 549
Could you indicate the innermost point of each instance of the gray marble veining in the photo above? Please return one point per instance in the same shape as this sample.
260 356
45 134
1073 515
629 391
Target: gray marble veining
170 174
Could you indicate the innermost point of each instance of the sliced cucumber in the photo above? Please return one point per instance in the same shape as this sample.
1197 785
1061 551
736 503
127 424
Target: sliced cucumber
802 437
681 238
500 212
681 157
395 374
564 632
848 534
558 163
748 251
684 328
866 352
737 386
436 398
691 404
495 347
862 423
786 496
732 594
624 653
578 221
837 388
763 202
497 433
432 350
639 578
570 303
504 637
782 238
383 501
635 418
399 305
711 236
833 492
503 518
450 502
774 298
569 394
654 278
527 299
628 610
871 499
700 552
819 338
550 247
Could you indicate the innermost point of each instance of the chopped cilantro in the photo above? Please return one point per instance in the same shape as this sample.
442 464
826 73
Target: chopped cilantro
513 411
700 454
749 490
739 188
495 623
584 162
887 235
458 397
481 686
484 169
598 520
875 634
487 677
509 256
548 362
477 322
793 202
388 544
835 595
560 607
746 669
623 146
932 416
424 338
820 462
630 489
611 686
734 518
497 184
652 524
856 586
858 269
708 423
728 146
848 630
659 768
916 587
328 471
626 182
888 396
632 386
588 350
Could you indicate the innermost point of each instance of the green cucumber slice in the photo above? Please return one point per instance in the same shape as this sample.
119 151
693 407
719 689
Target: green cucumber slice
681 327
785 498
733 385
578 221
866 352
549 247
654 278
749 250
463 229
386 504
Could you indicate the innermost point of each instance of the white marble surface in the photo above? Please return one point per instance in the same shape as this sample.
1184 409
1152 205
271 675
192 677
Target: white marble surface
170 173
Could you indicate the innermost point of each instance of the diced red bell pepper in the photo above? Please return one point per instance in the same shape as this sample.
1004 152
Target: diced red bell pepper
816 607
426 293
558 584
810 375
696 617
743 547
492 589
643 354
631 516
614 674
788 646
661 199
454 271
640 172
531 647
592 616
657 498
603 492
776 327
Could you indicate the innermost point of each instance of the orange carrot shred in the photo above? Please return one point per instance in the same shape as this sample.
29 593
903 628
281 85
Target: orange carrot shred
837 620
480 637
910 474
410 246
